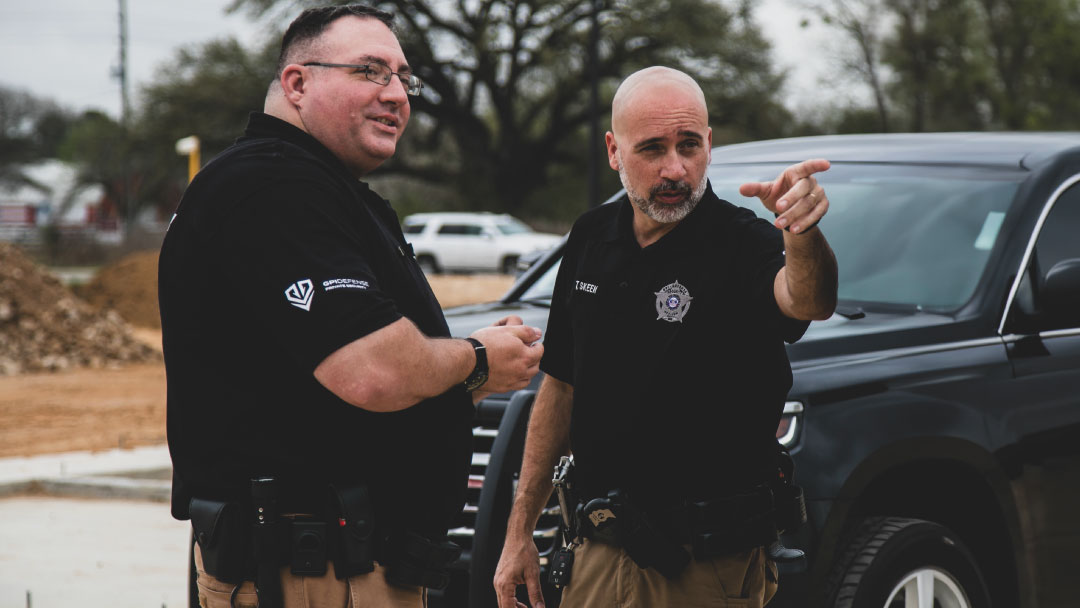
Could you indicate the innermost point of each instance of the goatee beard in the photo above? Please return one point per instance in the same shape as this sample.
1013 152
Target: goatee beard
665 213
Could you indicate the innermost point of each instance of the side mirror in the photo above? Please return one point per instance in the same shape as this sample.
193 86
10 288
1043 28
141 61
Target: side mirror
1061 294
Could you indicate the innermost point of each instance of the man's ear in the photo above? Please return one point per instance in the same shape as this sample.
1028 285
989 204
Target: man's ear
612 150
294 83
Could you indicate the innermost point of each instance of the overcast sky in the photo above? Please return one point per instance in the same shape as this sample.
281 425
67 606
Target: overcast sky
67 50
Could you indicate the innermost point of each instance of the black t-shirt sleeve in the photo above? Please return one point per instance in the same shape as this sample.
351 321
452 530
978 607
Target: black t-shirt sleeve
558 360
300 263
763 253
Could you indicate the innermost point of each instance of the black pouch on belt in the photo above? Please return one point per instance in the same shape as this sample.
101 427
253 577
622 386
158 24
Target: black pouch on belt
224 539
355 531
616 520
415 561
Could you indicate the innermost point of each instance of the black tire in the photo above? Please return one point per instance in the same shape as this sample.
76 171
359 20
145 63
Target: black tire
428 264
884 551
509 264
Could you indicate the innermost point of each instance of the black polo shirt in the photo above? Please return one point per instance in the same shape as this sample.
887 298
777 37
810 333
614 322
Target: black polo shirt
675 351
276 258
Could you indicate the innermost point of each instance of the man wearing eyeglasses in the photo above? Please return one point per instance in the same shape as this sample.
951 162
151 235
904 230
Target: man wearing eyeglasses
319 415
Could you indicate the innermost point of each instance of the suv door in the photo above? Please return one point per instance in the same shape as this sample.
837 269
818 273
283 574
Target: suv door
461 244
1041 431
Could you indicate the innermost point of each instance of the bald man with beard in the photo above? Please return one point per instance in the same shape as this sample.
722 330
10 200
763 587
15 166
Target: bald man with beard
666 367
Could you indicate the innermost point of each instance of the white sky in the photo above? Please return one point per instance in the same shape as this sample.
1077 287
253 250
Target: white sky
67 50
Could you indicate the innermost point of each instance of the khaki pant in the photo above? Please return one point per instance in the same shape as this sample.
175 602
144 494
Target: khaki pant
312 591
604 576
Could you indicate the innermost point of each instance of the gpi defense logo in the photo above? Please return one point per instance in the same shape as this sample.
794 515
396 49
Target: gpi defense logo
300 294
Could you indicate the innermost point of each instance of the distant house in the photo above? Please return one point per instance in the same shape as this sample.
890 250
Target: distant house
52 198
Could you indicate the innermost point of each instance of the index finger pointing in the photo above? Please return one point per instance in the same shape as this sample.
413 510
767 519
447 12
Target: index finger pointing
808 168
755 189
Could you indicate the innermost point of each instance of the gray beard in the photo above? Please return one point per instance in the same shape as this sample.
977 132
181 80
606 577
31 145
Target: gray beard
661 212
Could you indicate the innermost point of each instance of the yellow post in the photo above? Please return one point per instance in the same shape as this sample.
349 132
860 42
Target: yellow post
190 146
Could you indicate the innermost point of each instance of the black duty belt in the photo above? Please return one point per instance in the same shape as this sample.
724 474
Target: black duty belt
242 544
656 538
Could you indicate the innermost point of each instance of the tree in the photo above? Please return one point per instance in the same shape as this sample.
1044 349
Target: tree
970 64
1034 50
505 105
941 77
31 129
861 22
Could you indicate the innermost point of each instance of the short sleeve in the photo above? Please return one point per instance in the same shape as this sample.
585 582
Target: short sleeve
300 261
558 360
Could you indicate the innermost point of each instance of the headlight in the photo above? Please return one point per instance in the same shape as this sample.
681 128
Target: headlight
788 429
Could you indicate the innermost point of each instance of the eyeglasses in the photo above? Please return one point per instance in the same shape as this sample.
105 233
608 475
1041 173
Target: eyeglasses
377 73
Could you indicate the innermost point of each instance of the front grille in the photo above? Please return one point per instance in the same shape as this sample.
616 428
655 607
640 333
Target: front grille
547 535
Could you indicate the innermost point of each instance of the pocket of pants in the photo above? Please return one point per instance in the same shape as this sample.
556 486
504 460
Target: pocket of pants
734 574
213 596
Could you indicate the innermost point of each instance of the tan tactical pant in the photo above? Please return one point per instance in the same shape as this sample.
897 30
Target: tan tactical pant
605 576
311 591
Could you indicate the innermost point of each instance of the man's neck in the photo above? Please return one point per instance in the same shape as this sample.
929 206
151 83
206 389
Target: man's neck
647 230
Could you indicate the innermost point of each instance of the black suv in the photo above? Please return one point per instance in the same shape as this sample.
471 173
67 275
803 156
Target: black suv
935 418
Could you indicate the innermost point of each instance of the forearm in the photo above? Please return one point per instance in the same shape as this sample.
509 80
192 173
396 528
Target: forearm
548 439
806 287
395 367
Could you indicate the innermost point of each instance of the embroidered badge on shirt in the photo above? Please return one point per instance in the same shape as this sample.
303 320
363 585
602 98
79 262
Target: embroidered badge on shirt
672 302
333 284
300 294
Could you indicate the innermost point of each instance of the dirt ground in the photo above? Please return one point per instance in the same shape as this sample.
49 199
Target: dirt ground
104 409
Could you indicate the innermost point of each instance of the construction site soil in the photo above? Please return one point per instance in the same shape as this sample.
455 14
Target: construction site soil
108 390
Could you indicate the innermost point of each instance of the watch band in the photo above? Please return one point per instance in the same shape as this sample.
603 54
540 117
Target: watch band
479 374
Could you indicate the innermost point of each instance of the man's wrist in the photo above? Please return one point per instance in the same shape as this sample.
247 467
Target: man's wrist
803 231
479 374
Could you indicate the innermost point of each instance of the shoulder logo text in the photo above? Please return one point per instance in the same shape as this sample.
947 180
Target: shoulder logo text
300 294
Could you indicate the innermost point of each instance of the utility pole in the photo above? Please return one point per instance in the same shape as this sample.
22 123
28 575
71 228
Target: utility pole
121 70
125 117
594 104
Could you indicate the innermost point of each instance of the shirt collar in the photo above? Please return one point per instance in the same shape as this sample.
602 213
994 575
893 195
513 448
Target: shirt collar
689 232
262 125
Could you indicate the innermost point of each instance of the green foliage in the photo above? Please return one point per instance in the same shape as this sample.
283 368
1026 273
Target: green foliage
206 91
966 64
31 129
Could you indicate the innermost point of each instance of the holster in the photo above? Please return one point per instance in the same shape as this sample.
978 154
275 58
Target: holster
414 561
788 497
618 521
223 532
355 551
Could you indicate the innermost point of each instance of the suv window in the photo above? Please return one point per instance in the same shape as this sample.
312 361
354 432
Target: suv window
888 223
414 228
1058 241
512 227
461 229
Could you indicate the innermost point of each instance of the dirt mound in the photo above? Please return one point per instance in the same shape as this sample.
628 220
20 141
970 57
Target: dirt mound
128 286
44 327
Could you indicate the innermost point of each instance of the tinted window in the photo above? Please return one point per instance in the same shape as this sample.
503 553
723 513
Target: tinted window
461 229
903 235
1057 242
414 229
917 237
1058 239
512 227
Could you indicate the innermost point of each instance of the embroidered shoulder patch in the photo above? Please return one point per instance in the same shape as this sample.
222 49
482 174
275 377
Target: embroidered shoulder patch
300 294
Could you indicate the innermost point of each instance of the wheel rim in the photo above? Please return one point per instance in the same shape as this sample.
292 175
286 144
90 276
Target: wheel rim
928 588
